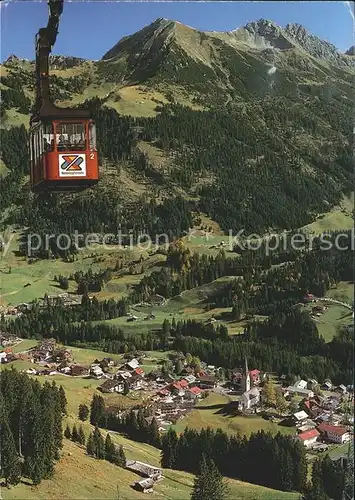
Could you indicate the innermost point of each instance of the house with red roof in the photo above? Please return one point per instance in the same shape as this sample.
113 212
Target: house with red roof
334 433
184 384
255 376
179 387
139 371
164 392
193 393
309 437
308 297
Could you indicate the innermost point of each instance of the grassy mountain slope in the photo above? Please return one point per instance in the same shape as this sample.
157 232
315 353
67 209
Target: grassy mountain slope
79 476
252 125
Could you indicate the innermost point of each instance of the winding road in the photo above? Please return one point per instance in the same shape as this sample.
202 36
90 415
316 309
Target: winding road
334 301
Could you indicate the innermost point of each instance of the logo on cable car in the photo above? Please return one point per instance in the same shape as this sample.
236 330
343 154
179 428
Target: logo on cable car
72 165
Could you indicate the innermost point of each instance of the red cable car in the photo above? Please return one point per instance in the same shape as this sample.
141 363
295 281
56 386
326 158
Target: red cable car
62 141
63 155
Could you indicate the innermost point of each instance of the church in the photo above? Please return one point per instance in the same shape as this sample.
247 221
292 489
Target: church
251 395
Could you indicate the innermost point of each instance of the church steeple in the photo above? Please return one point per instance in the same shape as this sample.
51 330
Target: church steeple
246 377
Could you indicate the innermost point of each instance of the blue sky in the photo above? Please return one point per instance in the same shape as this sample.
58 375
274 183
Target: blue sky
89 29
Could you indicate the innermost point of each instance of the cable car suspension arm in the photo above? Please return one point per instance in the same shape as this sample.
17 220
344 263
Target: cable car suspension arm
45 40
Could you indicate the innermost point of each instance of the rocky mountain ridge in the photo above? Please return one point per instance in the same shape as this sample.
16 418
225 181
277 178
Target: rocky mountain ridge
261 34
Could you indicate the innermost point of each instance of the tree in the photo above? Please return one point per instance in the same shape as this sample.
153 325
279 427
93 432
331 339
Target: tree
75 434
125 387
300 466
153 433
63 283
99 444
164 334
294 406
81 434
178 256
316 493
269 394
280 402
67 432
169 449
90 447
167 367
179 367
10 465
196 364
83 412
333 478
110 449
209 484
63 400
97 410
286 470
121 457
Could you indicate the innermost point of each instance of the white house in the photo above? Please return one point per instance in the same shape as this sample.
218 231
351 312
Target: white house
335 433
65 369
190 379
327 386
300 416
96 370
132 365
112 386
341 389
309 437
306 393
301 384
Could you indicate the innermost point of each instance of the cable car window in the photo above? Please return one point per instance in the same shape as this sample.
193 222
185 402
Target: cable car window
35 146
31 148
70 136
92 136
40 141
48 137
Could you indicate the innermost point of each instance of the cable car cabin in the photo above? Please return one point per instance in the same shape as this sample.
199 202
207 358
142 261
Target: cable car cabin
63 155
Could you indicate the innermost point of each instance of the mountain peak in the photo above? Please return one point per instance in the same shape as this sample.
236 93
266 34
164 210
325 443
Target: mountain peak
13 59
267 33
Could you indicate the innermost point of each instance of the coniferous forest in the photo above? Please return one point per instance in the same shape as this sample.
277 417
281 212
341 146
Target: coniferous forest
211 144
31 427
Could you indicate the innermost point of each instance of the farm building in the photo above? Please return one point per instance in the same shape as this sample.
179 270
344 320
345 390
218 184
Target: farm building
110 386
298 391
207 382
334 433
79 371
341 389
144 486
309 437
144 470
